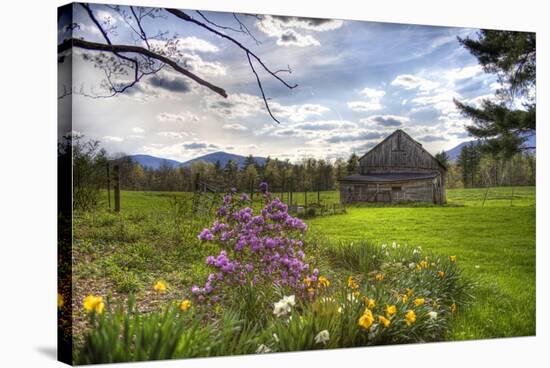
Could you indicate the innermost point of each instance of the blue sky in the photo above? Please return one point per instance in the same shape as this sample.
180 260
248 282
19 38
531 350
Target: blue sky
358 81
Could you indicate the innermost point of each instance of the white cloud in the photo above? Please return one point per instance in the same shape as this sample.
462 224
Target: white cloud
285 29
180 44
196 44
364 105
234 126
241 105
138 130
373 93
386 121
441 101
170 134
201 67
463 73
409 81
110 138
373 100
179 117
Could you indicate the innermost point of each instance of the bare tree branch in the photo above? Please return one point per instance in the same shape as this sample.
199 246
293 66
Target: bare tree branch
88 45
182 15
261 88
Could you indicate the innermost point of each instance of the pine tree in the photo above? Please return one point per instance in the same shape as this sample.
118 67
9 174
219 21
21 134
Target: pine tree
503 127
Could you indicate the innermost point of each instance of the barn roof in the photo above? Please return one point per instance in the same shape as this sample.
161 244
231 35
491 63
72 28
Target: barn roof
388 178
412 139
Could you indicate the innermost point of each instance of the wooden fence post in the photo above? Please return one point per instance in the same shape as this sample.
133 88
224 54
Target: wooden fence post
116 173
108 185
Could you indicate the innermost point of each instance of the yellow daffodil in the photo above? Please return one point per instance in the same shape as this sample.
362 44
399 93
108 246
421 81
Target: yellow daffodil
355 294
391 310
379 277
384 321
419 301
370 303
60 301
311 290
405 298
410 317
323 282
366 320
160 287
352 283
409 292
307 282
423 264
453 258
185 305
93 303
441 274
453 307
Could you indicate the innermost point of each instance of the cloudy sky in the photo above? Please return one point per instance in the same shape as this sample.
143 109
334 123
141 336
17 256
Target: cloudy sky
357 82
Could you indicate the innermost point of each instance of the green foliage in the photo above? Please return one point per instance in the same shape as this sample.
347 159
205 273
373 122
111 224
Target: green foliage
494 242
512 57
126 335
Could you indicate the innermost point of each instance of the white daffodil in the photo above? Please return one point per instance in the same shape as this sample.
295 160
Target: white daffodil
322 337
290 300
284 306
262 349
433 315
280 309
412 265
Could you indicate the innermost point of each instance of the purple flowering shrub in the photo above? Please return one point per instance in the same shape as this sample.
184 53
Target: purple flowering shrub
264 249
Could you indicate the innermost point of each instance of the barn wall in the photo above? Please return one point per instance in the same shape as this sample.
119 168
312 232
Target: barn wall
417 191
398 153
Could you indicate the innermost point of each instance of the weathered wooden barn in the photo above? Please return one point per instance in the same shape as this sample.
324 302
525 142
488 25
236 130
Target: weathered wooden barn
398 169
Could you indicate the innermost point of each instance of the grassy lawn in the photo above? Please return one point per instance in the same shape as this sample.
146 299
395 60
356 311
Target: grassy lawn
495 245
155 238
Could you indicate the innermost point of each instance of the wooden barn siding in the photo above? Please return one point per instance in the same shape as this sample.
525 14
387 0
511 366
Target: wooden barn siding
417 190
398 153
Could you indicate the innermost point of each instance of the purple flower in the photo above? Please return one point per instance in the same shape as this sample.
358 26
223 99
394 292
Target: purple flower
205 235
263 187
263 249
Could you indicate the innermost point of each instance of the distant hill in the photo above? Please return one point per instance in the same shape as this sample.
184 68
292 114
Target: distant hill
454 152
224 158
153 162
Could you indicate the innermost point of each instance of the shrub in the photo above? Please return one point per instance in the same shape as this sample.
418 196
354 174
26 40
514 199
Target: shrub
256 250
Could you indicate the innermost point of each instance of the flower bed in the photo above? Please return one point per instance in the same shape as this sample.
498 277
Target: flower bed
264 295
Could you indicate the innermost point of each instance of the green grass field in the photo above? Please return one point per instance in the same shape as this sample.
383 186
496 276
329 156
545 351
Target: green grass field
495 245
492 233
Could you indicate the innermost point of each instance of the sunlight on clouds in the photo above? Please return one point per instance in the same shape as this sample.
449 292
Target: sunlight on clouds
285 29
409 81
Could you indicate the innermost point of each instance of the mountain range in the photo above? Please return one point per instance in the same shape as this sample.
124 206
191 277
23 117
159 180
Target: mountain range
454 153
153 162
224 157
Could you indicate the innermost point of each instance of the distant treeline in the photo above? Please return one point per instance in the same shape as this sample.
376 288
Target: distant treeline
476 168
308 174
92 167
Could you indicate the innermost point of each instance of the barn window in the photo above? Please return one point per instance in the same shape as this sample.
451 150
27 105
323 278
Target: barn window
396 188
